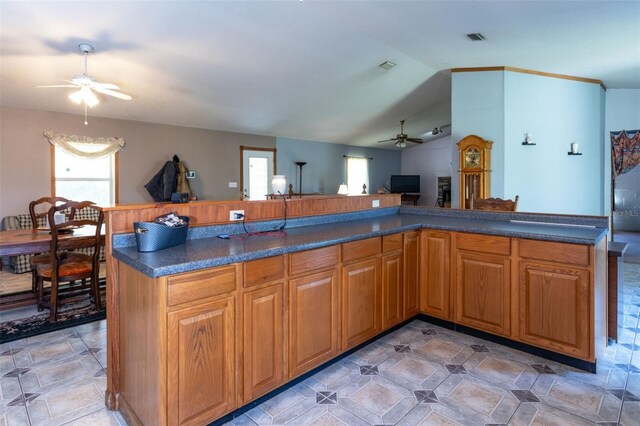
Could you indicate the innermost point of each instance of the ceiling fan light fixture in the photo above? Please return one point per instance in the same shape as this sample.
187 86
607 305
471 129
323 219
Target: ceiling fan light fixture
85 95
401 144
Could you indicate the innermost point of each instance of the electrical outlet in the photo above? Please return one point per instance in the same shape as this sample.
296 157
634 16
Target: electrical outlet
236 214
375 203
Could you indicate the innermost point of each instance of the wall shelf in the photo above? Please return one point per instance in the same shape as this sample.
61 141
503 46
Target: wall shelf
574 153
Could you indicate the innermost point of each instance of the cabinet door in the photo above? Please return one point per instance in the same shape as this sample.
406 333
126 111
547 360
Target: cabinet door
392 283
263 351
410 269
201 362
483 291
435 290
554 308
361 302
313 320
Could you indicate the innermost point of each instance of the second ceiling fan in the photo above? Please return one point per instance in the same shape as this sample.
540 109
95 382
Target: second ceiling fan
402 138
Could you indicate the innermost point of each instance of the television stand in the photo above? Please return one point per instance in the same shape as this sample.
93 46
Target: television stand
410 198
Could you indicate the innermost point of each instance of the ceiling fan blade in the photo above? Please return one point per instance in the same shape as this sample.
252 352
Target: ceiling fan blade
388 140
60 85
112 93
414 140
108 86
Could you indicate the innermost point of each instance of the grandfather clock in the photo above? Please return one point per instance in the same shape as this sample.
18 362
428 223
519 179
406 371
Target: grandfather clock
475 169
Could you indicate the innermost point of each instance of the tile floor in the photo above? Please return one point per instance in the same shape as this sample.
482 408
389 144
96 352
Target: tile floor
420 374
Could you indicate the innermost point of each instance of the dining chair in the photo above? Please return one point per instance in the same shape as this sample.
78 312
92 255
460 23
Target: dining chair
496 204
68 273
38 211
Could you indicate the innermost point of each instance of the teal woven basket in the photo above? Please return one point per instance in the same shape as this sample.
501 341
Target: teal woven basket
153 236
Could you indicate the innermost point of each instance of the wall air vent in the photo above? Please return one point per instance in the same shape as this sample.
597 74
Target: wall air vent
476 37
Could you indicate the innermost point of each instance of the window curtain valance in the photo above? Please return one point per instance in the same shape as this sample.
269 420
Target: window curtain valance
70 144
625 151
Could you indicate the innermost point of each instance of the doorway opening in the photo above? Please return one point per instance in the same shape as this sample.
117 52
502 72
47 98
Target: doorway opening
257 167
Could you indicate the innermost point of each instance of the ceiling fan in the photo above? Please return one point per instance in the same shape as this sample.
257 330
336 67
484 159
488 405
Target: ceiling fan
402 138
87 85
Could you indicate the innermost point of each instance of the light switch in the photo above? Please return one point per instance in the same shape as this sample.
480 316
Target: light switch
233 184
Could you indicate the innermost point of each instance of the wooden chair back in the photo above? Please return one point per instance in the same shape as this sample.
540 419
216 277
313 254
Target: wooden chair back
496 204
40 208
59 246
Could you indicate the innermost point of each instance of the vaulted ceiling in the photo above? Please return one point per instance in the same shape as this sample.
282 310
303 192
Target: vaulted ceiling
302 69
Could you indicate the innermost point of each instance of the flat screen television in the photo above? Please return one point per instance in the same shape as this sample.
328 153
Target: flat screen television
405 184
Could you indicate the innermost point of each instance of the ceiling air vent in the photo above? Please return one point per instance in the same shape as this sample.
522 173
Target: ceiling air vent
476 37
387 65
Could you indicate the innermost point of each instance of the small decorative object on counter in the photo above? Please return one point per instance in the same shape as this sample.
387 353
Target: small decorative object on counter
166 231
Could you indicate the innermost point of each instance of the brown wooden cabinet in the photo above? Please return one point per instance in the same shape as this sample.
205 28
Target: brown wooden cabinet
483 282
558 285
435 287
313 320
410 272
201 362
392 281
262 340
360 302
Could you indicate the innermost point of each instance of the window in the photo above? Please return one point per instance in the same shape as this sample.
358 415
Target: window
80 179
357 174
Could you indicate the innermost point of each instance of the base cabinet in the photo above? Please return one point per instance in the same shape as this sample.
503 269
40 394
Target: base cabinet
360 302
392 289
483 292
201 362
410 273
313 320
435 288
262 341
555 308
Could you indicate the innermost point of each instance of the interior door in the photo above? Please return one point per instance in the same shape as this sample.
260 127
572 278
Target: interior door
257 171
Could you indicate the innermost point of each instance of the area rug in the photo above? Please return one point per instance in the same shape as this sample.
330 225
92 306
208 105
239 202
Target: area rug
39 324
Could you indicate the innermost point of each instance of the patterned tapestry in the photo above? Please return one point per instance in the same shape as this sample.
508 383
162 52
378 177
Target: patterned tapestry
625 151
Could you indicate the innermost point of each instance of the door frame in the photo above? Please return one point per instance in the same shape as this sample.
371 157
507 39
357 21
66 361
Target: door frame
253 148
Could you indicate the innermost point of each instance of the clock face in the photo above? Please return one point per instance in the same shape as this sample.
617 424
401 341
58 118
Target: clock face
472 158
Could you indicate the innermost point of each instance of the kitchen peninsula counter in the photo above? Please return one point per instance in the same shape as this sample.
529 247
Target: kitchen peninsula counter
204 249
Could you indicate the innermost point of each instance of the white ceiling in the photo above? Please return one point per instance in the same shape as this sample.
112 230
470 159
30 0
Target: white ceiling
303 69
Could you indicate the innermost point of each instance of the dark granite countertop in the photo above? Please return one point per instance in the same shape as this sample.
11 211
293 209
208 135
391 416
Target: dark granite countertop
200 253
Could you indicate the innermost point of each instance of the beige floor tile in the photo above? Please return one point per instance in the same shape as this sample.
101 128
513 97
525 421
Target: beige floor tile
539 414
413 372
630 415
501 371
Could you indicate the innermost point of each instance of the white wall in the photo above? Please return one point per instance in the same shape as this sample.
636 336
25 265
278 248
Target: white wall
477 108
503 105
429 160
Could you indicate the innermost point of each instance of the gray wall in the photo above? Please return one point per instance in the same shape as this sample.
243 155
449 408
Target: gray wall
429 160
326 167
25 159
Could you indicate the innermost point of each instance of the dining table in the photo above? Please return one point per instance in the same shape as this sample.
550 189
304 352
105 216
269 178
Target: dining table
33 241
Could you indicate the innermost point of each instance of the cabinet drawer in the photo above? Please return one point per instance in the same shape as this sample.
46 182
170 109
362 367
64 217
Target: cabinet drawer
263 270
391 243
311 260
202 284
573 254
484 243
360 249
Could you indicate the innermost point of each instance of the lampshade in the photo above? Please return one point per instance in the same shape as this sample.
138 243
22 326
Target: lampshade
278 184
343 190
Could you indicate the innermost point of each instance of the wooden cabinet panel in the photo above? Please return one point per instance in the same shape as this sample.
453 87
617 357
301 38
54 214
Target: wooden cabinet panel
313 321
483 243
435 288
262 342
263 270
391 243
410 272
483 292
195 286
361 249
360 302
554 308
392 290
201 362
312 260
573 254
